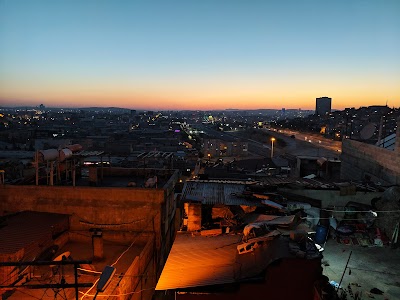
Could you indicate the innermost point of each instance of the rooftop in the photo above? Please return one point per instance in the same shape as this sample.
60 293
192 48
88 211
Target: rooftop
79 246
196 261
368 268
37 236
22 229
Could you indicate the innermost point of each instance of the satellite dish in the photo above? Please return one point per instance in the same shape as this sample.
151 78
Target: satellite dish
105 278
368 131
62 256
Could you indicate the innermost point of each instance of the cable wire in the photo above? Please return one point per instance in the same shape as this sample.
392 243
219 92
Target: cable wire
123 253
116 261
86 293
84 221
346 219
361 211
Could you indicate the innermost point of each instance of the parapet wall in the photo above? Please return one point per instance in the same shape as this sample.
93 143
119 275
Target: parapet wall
360 160
112 208
333 197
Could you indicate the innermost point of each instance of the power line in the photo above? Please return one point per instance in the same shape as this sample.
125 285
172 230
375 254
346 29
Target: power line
361 211
116 261
346 219
89 271
123 253
86 293
84 221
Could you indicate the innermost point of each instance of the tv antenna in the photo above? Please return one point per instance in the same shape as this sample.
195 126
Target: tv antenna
368 131
59 270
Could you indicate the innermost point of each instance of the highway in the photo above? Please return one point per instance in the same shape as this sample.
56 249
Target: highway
315 139
302 144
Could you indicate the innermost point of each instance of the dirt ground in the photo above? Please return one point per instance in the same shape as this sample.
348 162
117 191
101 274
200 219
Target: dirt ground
368 268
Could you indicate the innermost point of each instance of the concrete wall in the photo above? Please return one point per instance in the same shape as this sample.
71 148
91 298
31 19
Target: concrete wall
333 197
119 211
113 208
110 208
140 277
9 274
194 216
360 160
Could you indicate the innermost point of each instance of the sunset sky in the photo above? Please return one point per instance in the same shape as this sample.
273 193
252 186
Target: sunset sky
205 54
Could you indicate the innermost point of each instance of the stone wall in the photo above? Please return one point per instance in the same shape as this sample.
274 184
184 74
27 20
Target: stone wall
361 160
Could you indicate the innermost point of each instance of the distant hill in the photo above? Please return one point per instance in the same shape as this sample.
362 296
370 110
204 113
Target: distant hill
112 109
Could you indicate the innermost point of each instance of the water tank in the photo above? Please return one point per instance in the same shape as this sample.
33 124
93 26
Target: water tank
64 154
321 233
75 147
47 155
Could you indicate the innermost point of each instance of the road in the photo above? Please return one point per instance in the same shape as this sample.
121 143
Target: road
303 144
315 139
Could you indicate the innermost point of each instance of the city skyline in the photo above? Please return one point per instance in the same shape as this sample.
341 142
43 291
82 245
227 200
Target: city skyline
199 56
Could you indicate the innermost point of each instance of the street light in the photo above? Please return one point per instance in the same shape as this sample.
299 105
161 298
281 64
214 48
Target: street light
272 147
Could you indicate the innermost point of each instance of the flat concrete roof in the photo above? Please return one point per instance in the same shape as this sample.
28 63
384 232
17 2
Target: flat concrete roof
79 250
122 181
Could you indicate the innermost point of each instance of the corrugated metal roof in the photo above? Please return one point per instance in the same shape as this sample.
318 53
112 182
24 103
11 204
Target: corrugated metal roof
270 219
217 192
196 261
88 153
25 228
199 261
278 181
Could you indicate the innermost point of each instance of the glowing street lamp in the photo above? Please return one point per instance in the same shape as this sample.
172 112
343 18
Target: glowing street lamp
272 147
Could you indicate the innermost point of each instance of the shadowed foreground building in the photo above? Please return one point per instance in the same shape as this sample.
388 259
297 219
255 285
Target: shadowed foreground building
232 246
131 228
202 267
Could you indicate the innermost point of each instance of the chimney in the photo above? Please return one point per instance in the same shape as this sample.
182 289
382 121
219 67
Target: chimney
97 242
93 177
194 216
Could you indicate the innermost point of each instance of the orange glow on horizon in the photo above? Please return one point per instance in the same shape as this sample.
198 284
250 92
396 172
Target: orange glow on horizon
193 103
199 96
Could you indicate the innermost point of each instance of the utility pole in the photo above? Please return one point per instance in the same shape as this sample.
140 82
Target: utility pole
272 147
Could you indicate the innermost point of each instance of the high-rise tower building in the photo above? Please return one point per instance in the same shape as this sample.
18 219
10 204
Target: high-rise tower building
323 106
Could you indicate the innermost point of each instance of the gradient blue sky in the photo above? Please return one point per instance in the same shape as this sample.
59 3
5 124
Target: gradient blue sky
199 54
